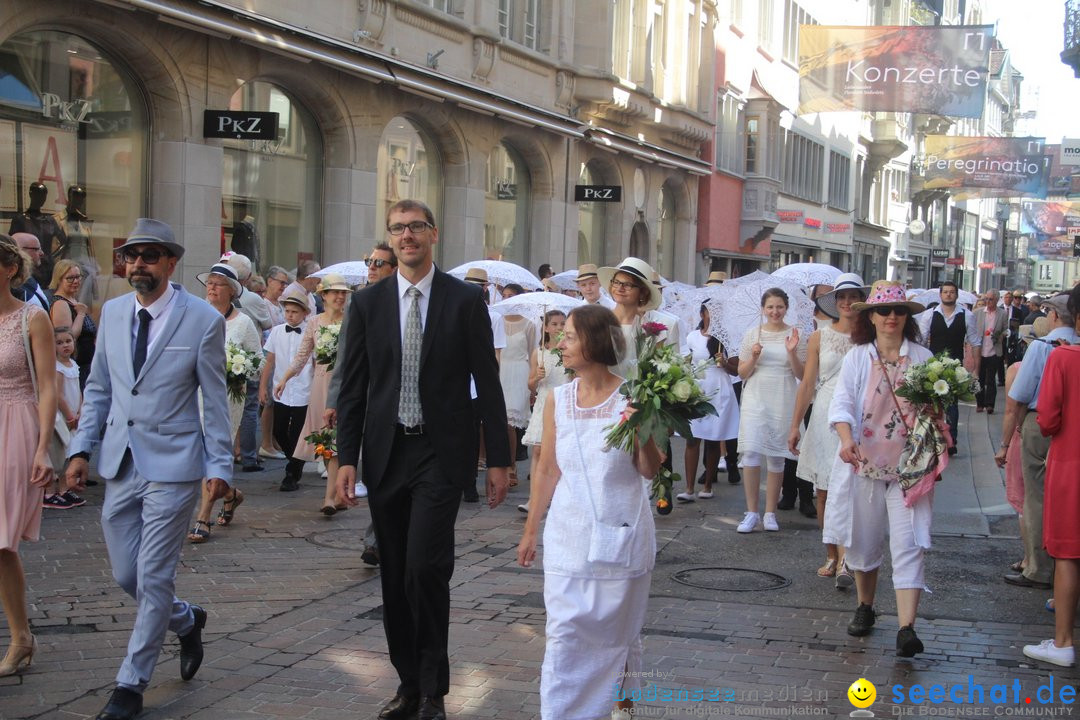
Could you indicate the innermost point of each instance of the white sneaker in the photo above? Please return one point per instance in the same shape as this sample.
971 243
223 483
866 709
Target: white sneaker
685 497
769 521
524 507
360 490
749 522
704 495
271 454
621 714
1047 651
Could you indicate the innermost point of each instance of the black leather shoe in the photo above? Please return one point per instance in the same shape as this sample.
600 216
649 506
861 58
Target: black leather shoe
908 643
431 708
863 622
191 649
370 556
401 707
470 495
806 507
254 467
123 705
1022 580
786 503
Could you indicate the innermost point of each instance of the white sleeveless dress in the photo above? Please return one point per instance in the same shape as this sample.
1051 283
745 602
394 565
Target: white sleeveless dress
514 370
717 383
817 450
554 376
768 396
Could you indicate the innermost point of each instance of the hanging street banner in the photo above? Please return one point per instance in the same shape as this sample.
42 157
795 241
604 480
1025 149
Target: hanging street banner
1050 227
986 166
935 69
1070 151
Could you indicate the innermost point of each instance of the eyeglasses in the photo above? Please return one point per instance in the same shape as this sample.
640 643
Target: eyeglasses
150 256
72 278
623 285
376 263
277 280
415 227
898 310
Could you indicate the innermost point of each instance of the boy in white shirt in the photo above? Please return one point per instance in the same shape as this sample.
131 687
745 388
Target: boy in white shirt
290 408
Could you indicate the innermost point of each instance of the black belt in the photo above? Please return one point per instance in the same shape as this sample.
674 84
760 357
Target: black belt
410 429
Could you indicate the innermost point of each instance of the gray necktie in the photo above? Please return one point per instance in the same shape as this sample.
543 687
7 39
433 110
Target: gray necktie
410 411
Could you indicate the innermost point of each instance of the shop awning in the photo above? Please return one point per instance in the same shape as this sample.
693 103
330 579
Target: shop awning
646 151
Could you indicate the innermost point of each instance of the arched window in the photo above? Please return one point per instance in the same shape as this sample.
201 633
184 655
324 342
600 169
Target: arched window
665 232
506 207
592 225
271 194
408 166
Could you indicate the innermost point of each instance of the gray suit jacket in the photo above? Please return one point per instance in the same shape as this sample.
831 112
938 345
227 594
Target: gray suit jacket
157 413
997 331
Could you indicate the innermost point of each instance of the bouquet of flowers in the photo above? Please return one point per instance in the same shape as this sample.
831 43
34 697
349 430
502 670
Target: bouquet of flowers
240 366
326 344
557 352
325 442
664 396
938 383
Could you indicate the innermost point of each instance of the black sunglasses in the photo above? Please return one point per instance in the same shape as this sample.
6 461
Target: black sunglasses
900 310
375 262
150 256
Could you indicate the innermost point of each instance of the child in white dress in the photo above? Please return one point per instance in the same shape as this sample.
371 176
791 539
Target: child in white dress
545 373
68 405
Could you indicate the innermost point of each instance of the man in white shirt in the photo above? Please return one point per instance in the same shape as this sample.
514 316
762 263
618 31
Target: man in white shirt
588 284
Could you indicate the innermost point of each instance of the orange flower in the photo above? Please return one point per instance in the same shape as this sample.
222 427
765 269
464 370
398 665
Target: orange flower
661 503
319 449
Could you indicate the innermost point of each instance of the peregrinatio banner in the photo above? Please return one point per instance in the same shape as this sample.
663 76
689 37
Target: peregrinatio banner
937 69
986 166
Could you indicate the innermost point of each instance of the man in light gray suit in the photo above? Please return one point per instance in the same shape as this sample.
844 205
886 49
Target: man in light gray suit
157 347
992 325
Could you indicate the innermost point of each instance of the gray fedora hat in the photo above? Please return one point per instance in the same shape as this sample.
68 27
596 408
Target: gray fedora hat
153 232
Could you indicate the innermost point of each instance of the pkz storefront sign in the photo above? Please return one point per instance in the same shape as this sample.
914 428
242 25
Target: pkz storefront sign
240 124
598 193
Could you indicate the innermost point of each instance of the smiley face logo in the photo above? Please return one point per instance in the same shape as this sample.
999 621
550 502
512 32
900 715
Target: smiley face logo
862 693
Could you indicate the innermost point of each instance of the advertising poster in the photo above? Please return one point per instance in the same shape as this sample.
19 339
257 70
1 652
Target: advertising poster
49 157
1063 179
1050 227
986 166
8 177
934 69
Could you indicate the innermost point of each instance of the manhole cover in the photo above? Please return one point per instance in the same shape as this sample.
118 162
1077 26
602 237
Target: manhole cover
730 579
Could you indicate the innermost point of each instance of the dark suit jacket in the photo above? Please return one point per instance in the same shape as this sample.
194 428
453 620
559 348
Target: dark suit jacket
457 345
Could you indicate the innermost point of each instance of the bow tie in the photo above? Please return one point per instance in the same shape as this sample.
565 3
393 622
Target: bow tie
289 329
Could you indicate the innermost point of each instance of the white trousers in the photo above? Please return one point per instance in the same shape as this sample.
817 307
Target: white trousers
877 506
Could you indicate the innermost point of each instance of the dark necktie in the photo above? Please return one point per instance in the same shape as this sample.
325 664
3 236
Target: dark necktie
140 341
290 328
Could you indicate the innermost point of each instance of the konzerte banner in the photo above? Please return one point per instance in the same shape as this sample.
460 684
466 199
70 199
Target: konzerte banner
936 69
1051 227
986 166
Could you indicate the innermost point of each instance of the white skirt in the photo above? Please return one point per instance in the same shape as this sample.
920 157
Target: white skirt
593 646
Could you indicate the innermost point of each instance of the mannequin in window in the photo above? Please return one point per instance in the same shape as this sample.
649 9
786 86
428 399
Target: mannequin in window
245 240
44 227
78 228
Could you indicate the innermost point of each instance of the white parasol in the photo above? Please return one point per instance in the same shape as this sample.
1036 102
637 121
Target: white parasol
681 301
566 280
354 271
536 304
500 273
735 308
926 297
807 274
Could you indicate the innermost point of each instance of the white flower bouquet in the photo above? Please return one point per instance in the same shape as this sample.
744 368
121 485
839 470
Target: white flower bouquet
938 383
240 366
326 345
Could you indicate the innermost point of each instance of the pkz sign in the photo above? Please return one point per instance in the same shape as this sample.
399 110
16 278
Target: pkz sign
240 124
598 193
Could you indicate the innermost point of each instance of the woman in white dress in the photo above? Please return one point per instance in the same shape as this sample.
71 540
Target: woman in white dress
599 541
545 373
521 340
222 287
825 351
771 360
713 429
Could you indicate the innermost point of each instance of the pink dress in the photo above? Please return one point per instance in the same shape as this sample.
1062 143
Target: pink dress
20 502
320 386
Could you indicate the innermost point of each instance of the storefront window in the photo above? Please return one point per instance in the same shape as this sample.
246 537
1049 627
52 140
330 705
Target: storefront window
506 207
590 223
71 118
665 233
272 190
408 168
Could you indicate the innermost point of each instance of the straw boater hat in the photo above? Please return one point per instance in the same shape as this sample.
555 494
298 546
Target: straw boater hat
476 276
639 269
1037 329
296 295
716 277
848 281
887 293
333 281
225 271
550 285
240 263
153 232
586 271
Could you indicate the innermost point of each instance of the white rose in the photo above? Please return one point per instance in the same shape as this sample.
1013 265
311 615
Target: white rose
941 387
962 374
682 390
936 367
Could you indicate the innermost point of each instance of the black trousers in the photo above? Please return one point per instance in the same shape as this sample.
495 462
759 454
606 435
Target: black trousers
731 459
794 486
288 422
414 508
988 370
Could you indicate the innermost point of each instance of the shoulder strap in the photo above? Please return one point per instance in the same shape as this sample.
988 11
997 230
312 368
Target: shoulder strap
26 346
888 382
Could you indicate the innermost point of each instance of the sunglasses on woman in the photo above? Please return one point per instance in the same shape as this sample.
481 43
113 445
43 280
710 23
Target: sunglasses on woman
900 310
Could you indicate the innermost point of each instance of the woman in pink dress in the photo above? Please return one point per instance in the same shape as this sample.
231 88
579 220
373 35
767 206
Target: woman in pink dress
1059 419
26 425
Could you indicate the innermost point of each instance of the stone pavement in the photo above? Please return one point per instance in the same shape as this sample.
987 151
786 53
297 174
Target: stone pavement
295 627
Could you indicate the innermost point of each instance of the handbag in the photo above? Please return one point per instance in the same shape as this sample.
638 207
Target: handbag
609 544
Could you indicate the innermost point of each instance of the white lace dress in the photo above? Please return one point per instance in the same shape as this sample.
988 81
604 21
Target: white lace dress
241 331
817 450
514 370
725 424
595 611
554 376
768 396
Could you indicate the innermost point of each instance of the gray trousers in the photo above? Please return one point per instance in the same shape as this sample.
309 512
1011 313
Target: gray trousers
145 524
1040 567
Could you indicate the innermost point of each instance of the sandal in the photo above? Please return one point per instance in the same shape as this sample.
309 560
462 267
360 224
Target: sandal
228 507
200 533
828 569
329 510
1017 566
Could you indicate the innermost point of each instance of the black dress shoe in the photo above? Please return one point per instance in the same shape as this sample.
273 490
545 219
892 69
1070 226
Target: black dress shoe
470 495
863 622
254 467
786 503
806 507
908 643
191 649
123 705
1022 580
431 708
401 707
370 556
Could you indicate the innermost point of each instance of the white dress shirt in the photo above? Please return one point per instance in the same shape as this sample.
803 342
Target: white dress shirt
405 302
925 320
284 345
159 314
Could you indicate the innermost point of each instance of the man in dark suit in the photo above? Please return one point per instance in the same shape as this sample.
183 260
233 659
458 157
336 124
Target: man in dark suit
414 340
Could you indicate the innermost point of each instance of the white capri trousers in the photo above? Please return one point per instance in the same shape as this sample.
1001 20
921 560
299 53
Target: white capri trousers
877 505
773 463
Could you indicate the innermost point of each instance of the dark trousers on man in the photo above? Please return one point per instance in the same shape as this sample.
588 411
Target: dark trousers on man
288 422
414 507
952 418
731 459
988 369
